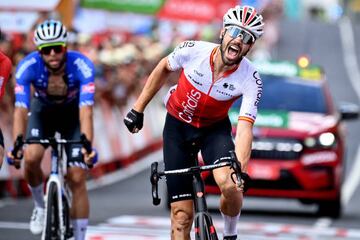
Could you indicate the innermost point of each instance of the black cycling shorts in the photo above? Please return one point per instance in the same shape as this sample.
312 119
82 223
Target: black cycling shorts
46 119
214 142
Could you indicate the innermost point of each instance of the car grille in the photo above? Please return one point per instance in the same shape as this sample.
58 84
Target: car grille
286 182
281 149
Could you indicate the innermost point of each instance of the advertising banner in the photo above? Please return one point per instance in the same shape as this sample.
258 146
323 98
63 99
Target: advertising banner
138 6
202 11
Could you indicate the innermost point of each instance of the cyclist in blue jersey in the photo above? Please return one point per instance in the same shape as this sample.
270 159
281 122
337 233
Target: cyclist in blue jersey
63 83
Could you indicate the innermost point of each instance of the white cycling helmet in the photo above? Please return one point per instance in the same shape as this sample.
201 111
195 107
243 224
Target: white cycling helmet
245 17
50 31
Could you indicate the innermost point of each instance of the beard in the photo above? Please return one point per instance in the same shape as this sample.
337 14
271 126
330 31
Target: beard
226 61
56 69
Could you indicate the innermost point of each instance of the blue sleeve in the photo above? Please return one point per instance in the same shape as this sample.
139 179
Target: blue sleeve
24 75
86 73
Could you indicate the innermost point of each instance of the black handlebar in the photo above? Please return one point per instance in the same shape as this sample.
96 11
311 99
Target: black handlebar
154 179
19 142
228 161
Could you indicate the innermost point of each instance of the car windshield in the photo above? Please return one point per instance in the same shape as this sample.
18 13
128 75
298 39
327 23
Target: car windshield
291 94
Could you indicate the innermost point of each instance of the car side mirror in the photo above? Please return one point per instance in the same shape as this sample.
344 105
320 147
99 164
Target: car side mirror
348 111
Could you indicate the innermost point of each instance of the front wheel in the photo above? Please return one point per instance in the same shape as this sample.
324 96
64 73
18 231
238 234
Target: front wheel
52 229
204 228
66 216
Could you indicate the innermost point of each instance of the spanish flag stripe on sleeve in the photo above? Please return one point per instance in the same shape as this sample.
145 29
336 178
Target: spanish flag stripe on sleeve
246 119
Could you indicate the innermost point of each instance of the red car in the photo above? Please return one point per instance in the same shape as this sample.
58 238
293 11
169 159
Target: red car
298 147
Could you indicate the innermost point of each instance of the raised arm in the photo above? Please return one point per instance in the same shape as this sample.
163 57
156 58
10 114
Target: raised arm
153 84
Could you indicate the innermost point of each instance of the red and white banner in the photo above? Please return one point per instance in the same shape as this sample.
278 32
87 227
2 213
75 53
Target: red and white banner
201 11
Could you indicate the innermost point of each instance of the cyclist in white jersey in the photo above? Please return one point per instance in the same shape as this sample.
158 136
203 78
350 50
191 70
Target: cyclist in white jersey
212 77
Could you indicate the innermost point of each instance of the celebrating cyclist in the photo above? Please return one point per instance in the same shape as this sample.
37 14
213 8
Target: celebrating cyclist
5 72
212 77
63 99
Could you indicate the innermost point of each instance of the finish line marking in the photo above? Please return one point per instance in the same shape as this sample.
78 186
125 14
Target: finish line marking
158 228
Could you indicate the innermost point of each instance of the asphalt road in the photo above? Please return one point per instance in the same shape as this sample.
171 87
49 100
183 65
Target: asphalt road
123 210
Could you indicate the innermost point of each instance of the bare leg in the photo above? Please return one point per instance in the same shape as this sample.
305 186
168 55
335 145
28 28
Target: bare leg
182 215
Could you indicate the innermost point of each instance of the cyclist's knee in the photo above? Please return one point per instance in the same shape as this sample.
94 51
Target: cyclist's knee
181 218
76 178
33 155
226 185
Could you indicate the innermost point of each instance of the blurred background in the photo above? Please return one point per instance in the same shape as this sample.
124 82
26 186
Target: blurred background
125 39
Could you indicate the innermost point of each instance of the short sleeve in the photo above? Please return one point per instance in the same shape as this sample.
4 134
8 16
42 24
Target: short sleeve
251 98
180 55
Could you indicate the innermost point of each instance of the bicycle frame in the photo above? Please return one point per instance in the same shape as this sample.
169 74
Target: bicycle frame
56 181
204 228
58 171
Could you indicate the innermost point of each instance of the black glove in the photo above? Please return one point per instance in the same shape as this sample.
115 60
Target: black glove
247 181
134 120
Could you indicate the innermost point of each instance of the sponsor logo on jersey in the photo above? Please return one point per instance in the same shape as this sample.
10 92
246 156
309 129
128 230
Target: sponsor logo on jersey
231 86
224 93
198 73
190 105
192 79
88 88
187 44
24 66
19 89
259 87
83 67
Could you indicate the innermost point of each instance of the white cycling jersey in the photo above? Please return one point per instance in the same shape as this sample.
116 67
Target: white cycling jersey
199 100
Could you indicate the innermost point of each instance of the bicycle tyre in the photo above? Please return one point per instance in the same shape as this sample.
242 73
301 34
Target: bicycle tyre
52 230
66 216
204 229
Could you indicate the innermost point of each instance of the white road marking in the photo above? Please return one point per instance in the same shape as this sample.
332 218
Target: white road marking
322 223
158 228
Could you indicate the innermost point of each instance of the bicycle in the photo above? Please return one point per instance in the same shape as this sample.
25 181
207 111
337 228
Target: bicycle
57 195
204 227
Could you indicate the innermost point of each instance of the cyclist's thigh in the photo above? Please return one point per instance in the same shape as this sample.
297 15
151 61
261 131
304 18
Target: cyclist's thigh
71 131
39 123
217 141
177 156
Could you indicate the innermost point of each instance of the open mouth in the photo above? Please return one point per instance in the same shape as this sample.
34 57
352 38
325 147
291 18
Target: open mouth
233 51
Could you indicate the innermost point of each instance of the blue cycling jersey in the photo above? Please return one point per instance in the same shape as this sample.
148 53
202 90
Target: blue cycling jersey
79 74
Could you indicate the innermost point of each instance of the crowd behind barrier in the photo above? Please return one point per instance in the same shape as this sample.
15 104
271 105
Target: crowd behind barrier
122 61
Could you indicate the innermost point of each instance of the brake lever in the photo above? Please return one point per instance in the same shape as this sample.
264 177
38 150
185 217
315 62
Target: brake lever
154 179
17 146
236 165
87 145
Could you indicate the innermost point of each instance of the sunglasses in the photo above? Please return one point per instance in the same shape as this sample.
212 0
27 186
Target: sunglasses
245 36
56 48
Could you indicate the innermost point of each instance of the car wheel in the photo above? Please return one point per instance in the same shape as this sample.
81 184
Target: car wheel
330 208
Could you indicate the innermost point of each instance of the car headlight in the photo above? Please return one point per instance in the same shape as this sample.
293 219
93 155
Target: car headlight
324 140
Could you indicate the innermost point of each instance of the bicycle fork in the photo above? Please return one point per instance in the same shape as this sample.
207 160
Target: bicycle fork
54 179
204 227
